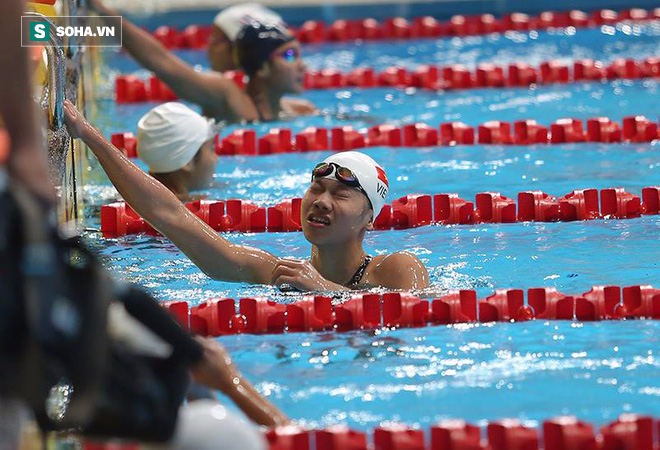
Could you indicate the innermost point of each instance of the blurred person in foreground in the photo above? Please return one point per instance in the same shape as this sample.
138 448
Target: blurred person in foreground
23 163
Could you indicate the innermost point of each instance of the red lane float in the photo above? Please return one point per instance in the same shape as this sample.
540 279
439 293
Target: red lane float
510 434
411 211
564 433
529 132
219 316
641 302
340 437
126 142
456 434
313 31
285 216
310 314
505 305
600 303
548 303
450 209
630 431
398 437
130 89
360 312
454 307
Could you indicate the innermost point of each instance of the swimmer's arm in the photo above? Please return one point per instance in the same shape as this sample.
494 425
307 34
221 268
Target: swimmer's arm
216 370
212 91
400 270
214 255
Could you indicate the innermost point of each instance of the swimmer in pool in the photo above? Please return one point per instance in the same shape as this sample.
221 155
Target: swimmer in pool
176 144
227 25
346 193
267 52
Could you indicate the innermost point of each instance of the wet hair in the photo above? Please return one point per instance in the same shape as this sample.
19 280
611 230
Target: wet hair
256 43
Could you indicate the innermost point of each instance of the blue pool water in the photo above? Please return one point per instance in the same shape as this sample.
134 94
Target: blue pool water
530 370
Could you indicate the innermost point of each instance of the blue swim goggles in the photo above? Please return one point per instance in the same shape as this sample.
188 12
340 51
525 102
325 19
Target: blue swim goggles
289 55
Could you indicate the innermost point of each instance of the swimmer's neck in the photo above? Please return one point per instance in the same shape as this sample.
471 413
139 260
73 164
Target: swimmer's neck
338 263
174 182
267 101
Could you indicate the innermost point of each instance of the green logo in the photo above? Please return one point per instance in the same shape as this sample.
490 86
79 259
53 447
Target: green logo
39 31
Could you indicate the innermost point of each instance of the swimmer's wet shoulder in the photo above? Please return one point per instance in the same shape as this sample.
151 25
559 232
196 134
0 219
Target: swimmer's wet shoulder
399 270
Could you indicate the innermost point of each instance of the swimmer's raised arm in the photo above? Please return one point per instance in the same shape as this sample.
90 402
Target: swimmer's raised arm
214 255
218 95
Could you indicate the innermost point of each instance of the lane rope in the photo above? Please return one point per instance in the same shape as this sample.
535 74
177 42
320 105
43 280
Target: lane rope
316 313
313 31
131 89
632 129
410 211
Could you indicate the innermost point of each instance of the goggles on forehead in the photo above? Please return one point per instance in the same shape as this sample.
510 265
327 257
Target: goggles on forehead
289 55
342 174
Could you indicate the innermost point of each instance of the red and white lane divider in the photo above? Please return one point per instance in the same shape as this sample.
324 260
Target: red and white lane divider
220 316
628 432
411 211
313 31
130 89
632 129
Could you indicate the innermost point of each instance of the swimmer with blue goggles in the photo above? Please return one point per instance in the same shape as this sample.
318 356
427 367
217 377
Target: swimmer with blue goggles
261 46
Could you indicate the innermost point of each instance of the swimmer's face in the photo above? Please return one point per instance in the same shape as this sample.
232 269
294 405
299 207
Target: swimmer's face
219 51
203 166
333 213
285 70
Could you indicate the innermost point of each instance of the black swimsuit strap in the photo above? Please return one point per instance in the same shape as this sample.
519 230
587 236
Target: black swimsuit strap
359 273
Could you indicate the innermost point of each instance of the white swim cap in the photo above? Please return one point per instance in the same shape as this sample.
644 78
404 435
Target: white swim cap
170 135
369 173
231 20
207 425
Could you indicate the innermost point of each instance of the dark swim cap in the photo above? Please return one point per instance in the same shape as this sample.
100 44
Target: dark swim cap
256 42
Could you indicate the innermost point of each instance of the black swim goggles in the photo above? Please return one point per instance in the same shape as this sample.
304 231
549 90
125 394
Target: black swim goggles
342 174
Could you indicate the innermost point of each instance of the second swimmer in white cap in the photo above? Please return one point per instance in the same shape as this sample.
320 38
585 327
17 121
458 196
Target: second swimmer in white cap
176 144
346 193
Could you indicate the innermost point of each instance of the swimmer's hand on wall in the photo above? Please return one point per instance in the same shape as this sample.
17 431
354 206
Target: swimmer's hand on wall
74 120
302 275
